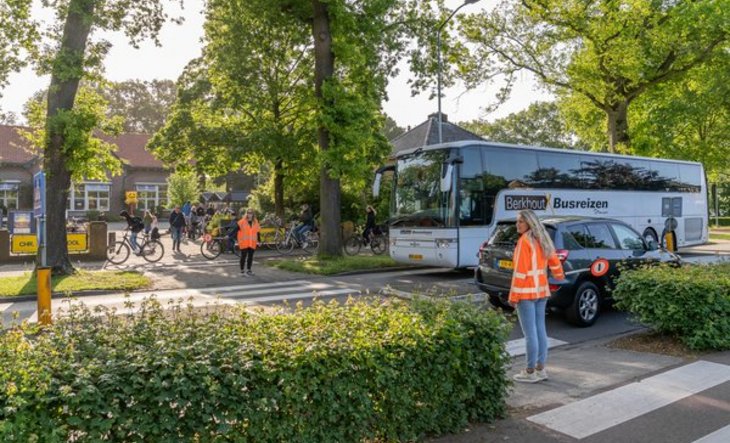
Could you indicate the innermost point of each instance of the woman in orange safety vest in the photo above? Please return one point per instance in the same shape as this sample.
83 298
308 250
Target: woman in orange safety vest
529 291
247 236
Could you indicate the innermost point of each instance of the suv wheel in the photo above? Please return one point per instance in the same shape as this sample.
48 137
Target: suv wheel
586 305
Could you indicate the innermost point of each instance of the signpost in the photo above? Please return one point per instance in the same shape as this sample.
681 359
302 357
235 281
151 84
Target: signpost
39 210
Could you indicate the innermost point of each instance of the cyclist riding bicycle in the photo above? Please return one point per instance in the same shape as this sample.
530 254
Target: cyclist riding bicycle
306 222
370 226
134 224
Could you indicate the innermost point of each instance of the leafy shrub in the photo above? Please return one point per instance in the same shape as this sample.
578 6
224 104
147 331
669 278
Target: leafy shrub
330 373
693 304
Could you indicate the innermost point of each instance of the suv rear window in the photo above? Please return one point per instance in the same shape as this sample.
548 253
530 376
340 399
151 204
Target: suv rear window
505 234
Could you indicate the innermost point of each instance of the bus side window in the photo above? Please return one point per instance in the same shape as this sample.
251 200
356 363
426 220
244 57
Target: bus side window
472 206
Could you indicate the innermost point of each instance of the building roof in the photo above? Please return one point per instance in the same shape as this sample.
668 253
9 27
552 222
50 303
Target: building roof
131 148
13 147
427 134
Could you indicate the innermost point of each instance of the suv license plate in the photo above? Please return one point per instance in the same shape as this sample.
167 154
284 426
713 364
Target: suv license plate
505 264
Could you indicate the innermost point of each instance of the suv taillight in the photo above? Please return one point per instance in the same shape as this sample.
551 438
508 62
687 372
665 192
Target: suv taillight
480 254
562 254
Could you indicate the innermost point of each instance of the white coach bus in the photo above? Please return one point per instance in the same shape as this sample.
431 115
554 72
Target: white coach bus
447 198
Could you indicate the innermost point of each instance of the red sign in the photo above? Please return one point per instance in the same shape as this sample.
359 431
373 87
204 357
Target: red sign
599 267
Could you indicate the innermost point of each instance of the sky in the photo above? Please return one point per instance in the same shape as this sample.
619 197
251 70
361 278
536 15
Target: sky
182 43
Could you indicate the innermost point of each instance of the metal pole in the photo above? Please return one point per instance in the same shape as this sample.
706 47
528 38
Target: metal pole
438 56
438 87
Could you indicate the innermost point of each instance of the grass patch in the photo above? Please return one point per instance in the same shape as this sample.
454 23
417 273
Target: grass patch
334 265
26 284
719 236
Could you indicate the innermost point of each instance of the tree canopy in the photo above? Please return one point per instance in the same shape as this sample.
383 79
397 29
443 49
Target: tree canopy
608 52
541 124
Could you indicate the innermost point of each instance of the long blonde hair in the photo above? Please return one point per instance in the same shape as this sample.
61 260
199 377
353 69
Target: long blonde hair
537 231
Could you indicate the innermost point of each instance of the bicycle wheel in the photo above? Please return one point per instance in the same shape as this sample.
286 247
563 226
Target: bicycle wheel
379 244
152 251
210 249
311 243
286 246
117 253
353 245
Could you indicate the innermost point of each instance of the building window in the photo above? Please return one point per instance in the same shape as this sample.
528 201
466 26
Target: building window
9 195
150 196
88 197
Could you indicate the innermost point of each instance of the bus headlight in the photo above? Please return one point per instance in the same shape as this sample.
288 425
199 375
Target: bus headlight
443 243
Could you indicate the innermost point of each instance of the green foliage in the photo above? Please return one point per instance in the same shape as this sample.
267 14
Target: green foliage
18 34
144 105
693 305
81 281
334 265
688 119
609 52
541 124
182 186
87 156
365 371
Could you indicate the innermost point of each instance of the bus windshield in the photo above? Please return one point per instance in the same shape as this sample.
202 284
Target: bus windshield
418 200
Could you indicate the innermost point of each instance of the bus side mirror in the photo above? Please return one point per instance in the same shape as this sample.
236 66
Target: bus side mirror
376 184
445 185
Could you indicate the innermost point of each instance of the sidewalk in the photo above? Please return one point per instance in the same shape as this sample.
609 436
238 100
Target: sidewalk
576 372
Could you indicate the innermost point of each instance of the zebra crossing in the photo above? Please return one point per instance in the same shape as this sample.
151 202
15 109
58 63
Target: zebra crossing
664 407
246 294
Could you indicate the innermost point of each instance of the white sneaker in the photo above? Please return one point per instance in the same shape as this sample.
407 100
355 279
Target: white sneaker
541 374
526 377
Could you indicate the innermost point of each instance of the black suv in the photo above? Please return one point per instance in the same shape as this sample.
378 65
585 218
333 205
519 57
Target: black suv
580 242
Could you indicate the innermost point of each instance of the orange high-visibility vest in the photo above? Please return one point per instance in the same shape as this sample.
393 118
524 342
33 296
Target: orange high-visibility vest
529 278
248 234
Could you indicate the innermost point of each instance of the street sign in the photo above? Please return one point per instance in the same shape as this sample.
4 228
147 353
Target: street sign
39 194
28 244
21 222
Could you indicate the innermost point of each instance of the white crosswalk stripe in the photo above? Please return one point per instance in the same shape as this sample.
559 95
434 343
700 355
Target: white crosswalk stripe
247 294
719 436
608 409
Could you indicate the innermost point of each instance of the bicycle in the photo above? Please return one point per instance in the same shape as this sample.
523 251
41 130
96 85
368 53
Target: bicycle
212 247
310 245
378 243
151 250
272 232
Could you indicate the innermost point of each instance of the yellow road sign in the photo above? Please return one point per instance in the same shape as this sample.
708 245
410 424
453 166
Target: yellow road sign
27 243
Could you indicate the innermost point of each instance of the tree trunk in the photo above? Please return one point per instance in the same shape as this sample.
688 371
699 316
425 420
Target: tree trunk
330 243
65 78
618 126
279 189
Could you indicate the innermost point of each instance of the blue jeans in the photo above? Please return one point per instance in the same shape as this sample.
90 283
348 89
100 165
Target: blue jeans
300 230
176 232
532 320
133 241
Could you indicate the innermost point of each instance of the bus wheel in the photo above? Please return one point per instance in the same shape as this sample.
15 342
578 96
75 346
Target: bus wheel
650 236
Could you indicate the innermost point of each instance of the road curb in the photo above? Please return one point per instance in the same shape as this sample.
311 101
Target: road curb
79 294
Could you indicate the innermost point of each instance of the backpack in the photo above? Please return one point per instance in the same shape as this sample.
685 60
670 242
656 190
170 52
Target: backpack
155 234
136 224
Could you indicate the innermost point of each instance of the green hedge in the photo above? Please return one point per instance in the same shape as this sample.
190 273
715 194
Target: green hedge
723 221
692 303
365 371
